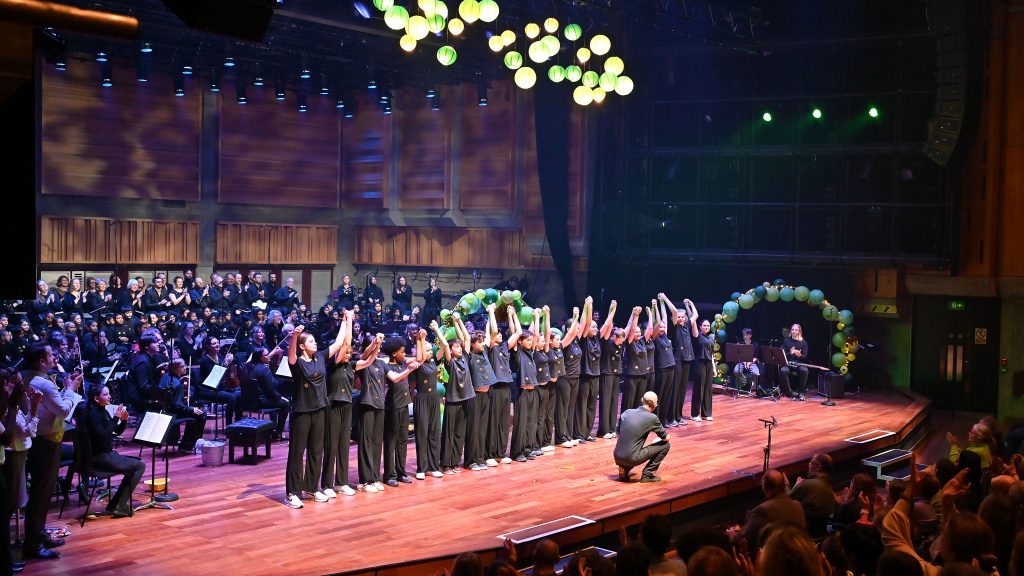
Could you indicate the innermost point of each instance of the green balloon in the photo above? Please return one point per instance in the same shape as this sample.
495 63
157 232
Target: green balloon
491 296
506 297
449 333
816 297
729 318
838 339
801 293
838 359
771 294
475 306
573 32
849 331
480 294
526 315
513 60
760 292
517 295
786 294
746 301
573 73
846 317
445 315
440 390
830 313
730 308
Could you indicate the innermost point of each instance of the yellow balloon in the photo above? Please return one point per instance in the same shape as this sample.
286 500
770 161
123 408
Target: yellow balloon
455 26
408 43
526 78
624 86
538 52
551 25
489 10
495 43
469 10
417 27
615 65
600 44
508 37
532 30
599 95
583 55
583 95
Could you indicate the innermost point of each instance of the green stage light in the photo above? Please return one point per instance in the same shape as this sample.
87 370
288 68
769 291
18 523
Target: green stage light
767 116
873 112
816 113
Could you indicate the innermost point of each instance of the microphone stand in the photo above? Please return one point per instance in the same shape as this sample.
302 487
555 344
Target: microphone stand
769 425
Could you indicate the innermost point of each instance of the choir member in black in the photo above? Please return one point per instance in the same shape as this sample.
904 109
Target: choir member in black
524 425
426 410
402 296
306 438
178 295
682 344
269 388
458 393
341 375
95 349
131 297
101 428
99 299
612 340
748 372
171 397
232 293
649 331
634 364
346 293
478 409
374 294
255 291
567 386
143 374
546 384
664 365
189 345
796 351
500 393
221 394
286 298
590 374
371 418
700 401
74 298
155 297
396 411
218 295
272 284
199 295
432 301
375 320
556 358
46 300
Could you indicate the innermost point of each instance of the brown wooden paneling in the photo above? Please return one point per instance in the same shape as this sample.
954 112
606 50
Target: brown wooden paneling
133 140
443 247
272 154
487 161
77 240
424 151
366 156
102 240
241 243
149 242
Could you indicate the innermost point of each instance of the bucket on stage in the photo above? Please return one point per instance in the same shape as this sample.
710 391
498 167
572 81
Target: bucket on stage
159 483
213 454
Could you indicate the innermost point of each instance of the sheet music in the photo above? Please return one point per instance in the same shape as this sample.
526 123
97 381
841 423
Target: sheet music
153 428
111 408
213 380
110 373
75 401
283 369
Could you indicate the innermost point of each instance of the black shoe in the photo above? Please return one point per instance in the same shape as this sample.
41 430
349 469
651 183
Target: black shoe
520 458
51 542
19 563
15 568
392 482
42 553
405 480
648 479
530 456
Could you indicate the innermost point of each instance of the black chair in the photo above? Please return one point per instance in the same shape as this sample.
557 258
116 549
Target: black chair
86 473
250 400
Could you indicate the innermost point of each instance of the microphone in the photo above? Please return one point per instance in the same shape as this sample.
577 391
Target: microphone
772 422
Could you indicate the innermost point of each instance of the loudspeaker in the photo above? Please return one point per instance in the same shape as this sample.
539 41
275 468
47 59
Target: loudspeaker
244 19
831 384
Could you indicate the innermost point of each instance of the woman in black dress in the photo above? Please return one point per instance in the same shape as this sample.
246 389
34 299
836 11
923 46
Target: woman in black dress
402 295
432 298
700 403
346 293
426 410
567 386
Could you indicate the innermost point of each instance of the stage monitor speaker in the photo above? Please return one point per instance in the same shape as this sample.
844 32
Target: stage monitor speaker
830 384
244 19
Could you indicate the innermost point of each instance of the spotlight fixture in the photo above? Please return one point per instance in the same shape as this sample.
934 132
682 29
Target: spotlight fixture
340 104
214 81
873 112
60 64
371 85
431 93
305 73
350 108
324 91
435 104
229 62
142 71
179 86
146 48
101 56
816 113
767 116
257 79
387 110
302 103
240 93
107 79
481 90
186 69
279 91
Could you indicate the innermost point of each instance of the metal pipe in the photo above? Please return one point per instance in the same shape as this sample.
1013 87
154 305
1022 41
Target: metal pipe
36 13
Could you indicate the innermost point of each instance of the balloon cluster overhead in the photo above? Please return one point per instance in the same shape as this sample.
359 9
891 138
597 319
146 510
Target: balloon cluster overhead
575 59
844 339
476 302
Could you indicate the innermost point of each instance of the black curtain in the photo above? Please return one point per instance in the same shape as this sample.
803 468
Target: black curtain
552 106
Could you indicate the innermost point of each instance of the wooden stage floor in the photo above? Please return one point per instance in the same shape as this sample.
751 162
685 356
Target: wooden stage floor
232 518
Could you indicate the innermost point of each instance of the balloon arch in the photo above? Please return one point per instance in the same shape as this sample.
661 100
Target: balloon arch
844 339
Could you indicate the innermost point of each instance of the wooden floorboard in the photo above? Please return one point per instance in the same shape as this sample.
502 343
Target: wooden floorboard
232 518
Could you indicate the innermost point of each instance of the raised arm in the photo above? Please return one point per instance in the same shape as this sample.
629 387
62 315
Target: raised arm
461 332
609 323
631 324
570 331
545 338
292 358
649 333
491 335
446 350
671 307
514 327
664 317
692 313
588 315
335 346
370 354
421 346
346 335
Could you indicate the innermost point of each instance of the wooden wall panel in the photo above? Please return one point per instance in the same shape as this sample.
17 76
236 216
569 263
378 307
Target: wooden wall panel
442 247
272 154
103 240
366 156
249 243
133 140
424 150
487 162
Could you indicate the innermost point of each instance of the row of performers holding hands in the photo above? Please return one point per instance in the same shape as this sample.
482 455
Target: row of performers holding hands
559 378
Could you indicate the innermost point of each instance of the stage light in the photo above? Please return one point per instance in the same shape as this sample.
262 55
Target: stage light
385 97
179 86
257 79
107 81
767 116
431 93
361 10
873 112
186 69
101 56
387 110
371 85
481 93
302 103
279 92
350 108
229 62
60 64
324 91
435 104
816 113
340 104
214 81
146 48
141 71
240 93
305 74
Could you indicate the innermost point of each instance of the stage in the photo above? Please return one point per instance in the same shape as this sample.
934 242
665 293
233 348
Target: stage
232 518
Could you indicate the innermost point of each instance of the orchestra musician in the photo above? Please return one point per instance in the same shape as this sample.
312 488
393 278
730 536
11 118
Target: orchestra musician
222 394
170 395
748 372
796 350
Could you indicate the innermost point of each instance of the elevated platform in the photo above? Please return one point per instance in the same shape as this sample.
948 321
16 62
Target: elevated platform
233 517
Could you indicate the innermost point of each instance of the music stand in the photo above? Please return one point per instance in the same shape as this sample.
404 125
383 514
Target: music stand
776 357
213 383
152 433
736 353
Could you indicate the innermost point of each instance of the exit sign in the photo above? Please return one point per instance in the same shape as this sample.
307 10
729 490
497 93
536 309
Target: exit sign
957 305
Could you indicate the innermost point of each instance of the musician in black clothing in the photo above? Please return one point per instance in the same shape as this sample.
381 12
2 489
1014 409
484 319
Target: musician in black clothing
232 293
269 388
255 291
143 375
373 294
432 301
221 395
402 295
747 372
101 428
171 397
156 297
346 293
796 350
287 298
199 295
218 295
74 298
46 300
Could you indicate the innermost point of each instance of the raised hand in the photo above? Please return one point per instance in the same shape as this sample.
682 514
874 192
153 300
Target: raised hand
298 330
433 325
546 309
637 310
589 300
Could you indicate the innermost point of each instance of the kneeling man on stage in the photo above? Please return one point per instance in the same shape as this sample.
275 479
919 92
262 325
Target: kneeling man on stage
634 426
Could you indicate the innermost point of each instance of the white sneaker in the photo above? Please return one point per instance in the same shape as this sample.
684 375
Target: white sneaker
491 462
330 493
548 448
696 418
436 474
368 488
567 444
293 501
379 486
450 471
575 441
709 419
607 436
506 460
347 490
319 496
421 476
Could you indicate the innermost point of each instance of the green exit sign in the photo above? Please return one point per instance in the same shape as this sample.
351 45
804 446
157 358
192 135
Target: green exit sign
957 305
